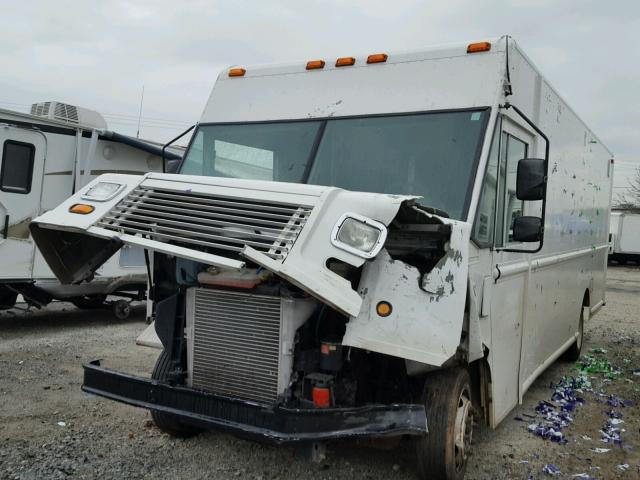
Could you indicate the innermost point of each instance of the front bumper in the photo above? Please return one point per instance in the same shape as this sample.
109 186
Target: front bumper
270 424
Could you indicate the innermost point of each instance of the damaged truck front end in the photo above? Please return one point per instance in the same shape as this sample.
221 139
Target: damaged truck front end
285 312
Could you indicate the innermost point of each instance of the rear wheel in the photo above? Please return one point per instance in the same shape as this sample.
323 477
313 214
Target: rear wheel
442 453
573 353
168 423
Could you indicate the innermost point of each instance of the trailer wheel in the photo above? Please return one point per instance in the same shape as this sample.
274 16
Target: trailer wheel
442 453
573 353
167 422
122 309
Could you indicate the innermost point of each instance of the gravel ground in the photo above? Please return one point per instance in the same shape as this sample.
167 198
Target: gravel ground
50 429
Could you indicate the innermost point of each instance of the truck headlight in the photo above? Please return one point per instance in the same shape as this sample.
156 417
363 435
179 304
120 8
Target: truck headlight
359 235
103 191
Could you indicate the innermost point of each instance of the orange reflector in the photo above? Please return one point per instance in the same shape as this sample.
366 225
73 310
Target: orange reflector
321 397
377 58
237 72
345 61
81 208
314 64
479 47
384 309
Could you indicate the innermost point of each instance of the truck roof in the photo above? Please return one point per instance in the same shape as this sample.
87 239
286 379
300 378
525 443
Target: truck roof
439 78
443 77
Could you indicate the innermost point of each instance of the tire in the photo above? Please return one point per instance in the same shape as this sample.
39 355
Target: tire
442 453
574 351
168 423
90 302
122 309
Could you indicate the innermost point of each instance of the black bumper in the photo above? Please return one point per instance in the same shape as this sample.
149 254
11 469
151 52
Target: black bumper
272 424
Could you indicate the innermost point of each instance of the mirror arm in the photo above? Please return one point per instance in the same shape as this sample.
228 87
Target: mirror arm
507 106
164 147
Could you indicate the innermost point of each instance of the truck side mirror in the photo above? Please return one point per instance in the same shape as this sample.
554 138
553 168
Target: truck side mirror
530 180
527 229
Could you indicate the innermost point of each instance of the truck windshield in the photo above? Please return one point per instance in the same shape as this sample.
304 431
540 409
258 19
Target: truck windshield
432 155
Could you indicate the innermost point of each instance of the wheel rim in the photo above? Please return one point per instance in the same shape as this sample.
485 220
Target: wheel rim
463 430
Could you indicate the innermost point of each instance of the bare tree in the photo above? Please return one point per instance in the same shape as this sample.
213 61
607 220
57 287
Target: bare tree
630 199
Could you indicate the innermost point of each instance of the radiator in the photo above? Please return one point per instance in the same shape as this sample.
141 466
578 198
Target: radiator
235 344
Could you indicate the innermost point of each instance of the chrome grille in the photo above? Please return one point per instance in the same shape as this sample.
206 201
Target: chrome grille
212 221
236 341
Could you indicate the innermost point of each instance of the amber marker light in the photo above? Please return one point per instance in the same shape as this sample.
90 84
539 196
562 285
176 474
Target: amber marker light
237 72
384 309
81 208
345 61
478 47
377 58
315 64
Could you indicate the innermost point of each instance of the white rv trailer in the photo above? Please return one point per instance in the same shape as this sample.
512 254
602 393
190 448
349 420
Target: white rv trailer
625 236
364 246
47 156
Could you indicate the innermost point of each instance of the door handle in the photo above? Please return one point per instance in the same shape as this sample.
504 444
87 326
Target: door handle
5 230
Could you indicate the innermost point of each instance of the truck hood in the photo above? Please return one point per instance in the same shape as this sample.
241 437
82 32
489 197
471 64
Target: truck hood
284 227
158 211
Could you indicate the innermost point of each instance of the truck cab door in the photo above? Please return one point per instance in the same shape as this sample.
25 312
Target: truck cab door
22 156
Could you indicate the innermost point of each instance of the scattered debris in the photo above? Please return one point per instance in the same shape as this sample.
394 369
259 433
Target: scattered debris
600 450
62 424
551 469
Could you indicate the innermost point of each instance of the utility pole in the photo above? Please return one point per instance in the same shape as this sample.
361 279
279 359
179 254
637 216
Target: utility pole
140 112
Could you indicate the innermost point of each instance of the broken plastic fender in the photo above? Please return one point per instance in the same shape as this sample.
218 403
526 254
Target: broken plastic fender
425 323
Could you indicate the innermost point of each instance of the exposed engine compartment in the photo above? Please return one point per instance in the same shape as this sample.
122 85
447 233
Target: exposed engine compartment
268 340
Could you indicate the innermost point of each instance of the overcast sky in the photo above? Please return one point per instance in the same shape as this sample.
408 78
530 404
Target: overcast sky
100 54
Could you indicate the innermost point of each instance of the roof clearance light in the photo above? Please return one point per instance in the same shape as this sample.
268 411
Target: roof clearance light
237 72
81 208
315 64
377 58
478 47
345 61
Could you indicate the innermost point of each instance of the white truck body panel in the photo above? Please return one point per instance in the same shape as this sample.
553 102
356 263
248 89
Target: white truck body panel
514 312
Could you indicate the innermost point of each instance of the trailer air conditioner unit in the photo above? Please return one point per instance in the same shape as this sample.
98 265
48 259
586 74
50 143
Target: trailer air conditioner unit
63 112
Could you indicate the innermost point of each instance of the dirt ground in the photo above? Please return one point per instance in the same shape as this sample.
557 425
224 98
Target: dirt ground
49 428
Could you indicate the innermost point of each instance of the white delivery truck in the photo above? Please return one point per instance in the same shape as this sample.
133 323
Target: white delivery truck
369 246
625 236
48 155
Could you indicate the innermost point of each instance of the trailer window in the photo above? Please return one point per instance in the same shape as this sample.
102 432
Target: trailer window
17 167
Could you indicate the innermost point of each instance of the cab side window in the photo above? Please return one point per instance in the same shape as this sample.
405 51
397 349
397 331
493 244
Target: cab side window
509 207
485 218
17 167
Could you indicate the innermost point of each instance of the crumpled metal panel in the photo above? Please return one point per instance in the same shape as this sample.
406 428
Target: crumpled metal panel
426 321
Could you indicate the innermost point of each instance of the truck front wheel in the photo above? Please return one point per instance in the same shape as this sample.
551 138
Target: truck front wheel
167 422
442 453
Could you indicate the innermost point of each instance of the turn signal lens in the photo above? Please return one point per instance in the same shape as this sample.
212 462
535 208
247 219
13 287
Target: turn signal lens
81 208
237 72
479 47
345 61
321 397
315 64
384 309
377 58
